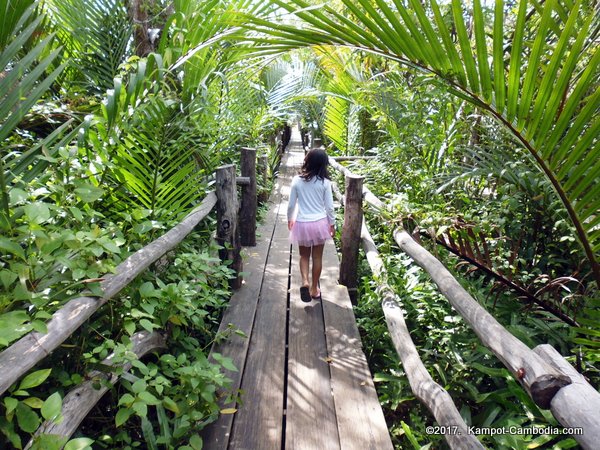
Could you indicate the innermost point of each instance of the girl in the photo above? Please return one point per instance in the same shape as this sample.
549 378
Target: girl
315 222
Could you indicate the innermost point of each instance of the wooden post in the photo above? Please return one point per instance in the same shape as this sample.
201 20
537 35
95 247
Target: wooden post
353 216
248 208
263 171
227 221
317 143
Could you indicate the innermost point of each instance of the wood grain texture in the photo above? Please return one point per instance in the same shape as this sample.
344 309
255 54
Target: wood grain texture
540 379
17 359
228 232
360 420
575 405
248 199
240 315
258 423
353 216
310 419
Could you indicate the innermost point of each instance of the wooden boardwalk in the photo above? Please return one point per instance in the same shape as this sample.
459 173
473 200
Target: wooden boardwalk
303 377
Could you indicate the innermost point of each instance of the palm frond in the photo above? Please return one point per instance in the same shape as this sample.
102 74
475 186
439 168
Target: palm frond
155 165
95 37
545 93
24 81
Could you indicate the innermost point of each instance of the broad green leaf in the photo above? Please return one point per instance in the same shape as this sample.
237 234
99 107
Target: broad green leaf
34 379
34 402
27 419
148 398
7 278
49 442
122 416
126 399
37 212
89 193
196 442
79 444
147 325
10 404
52 407
170 405
139 386
140 408
12 247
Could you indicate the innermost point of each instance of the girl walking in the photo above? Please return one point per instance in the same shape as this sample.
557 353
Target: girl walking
314 222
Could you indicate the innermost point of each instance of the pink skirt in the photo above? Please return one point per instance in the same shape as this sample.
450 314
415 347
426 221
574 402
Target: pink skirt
308 234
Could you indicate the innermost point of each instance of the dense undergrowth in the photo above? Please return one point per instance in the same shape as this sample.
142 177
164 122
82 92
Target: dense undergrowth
519 208
113 117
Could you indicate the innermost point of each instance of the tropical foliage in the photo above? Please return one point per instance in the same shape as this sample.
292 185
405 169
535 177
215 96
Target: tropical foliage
102 151
480 121
542 88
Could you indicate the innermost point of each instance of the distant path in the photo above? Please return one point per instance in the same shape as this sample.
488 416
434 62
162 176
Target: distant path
305 383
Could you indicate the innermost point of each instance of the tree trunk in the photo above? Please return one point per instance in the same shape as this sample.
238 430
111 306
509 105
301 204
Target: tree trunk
138 12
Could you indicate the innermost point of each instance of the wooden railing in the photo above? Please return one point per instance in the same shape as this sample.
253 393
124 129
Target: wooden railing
16 360
548 378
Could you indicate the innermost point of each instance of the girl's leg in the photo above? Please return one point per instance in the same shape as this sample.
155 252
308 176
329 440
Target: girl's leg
304 260
317 266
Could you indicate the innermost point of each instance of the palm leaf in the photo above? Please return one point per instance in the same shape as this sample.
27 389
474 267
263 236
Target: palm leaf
156 168
555 118
26 81
95 37
11 13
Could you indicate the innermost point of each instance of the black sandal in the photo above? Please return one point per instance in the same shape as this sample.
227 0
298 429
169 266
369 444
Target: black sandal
305 294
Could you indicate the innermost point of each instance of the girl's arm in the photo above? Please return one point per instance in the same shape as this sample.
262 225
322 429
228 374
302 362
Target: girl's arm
329 205
292 205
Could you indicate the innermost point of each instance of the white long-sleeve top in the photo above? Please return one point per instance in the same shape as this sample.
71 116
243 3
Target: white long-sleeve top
314 199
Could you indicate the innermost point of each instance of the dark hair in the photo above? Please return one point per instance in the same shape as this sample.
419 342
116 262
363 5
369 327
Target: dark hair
315 165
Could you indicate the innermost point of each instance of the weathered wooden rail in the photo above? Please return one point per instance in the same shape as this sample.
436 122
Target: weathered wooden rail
79 402
430 393
548 378
16 360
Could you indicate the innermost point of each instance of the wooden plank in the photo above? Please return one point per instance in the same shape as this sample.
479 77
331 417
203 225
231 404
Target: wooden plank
310 417
240 316
258 422
360 419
